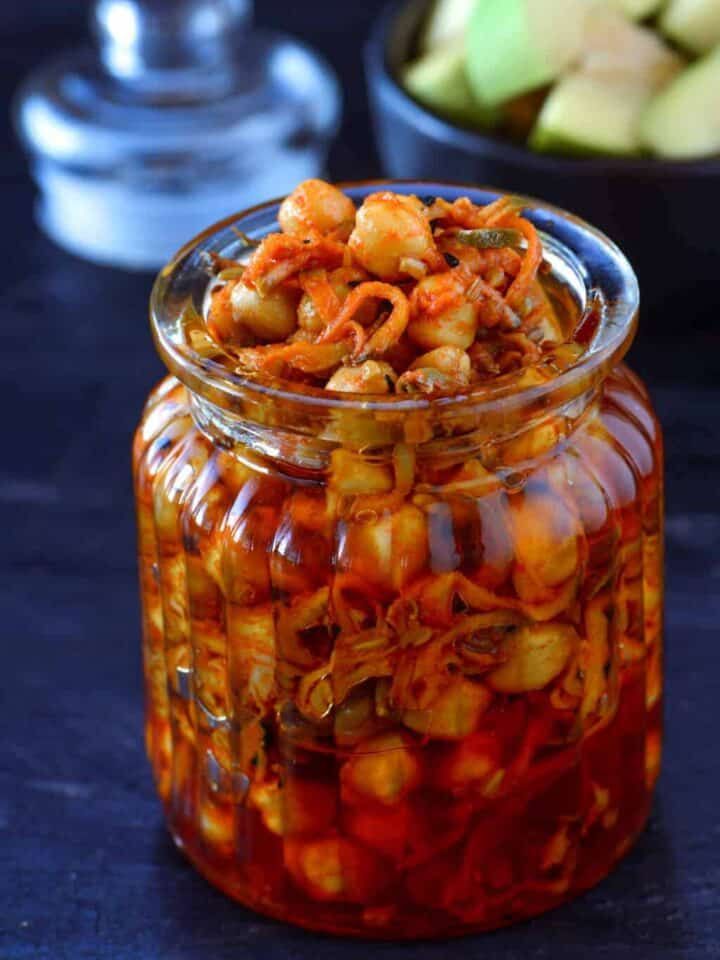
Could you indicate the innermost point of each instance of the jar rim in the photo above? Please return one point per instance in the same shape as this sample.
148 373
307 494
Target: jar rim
601 273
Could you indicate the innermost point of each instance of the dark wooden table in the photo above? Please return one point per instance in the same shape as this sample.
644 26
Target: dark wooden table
87 871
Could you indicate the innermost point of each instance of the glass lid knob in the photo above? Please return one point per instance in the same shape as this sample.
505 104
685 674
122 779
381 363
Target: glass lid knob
181 114
138 39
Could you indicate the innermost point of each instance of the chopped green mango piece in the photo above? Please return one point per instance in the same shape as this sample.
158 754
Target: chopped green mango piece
490 238
439 81
514 46
448 21
598 108
637 9
590 114
693 24
683 120
616 46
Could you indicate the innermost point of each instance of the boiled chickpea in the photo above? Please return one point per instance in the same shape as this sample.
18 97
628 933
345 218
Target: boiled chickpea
535 655
317 207
441 315
475 762
390 551
454 714
330 868
385 768
389 229
547 538
269 319
449 360
369 377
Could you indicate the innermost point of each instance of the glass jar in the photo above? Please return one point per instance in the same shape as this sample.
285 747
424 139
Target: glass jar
403 656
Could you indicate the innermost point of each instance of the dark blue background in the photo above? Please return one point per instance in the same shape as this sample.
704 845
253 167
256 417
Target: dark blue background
87 871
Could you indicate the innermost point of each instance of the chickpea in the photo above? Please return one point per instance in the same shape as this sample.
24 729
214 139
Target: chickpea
216 824
475 762
300 806
317 207
385 768
449 360
546 533
220 320
441 315
454 714
334 868
379 827
352 474
390 551
369 377
390 228
532 443
268 319
536 655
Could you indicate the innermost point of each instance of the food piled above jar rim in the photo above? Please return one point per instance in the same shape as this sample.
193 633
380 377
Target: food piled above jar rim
405 295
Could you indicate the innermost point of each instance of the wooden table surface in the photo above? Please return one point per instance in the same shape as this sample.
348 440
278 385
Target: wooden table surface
87 869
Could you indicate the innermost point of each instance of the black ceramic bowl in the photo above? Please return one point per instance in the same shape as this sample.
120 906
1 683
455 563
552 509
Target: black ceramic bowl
664 215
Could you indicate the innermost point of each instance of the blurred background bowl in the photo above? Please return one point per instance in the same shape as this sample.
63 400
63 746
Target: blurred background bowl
663 214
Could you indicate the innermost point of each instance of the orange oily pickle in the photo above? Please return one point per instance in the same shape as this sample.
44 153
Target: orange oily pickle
386 549
300 553
295 804
389 229
315 206
333 868
547 540
385 768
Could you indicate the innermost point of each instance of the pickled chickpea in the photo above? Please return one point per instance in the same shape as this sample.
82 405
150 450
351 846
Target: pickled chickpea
390 229
352 474
440 371
271 318
369 377
334 868
216 824
454 714
450 360
475 762
385 768
389 551
221 321
441 315
535 441
547 545
341 285
316 206
535 656
298 806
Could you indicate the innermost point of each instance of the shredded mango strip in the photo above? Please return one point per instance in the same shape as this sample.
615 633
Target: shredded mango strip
304 357
279 257
531 261
391 329
317 286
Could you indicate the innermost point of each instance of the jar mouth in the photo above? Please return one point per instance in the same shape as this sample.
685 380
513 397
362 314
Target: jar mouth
596 272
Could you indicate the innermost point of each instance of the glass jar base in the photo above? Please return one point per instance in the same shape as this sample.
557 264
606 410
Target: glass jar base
389 922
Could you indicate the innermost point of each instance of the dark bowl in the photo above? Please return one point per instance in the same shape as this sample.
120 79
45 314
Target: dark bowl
664 215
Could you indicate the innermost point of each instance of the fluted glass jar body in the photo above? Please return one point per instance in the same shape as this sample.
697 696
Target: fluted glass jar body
403 667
